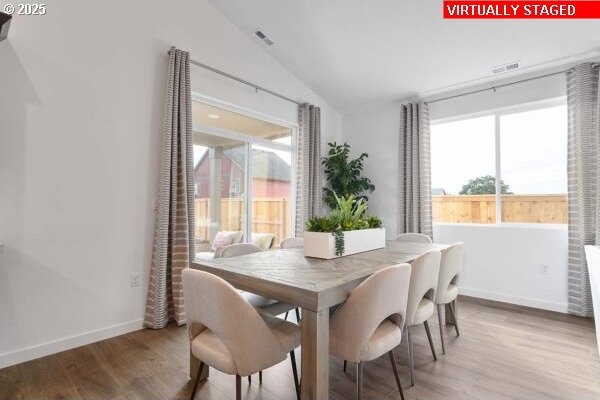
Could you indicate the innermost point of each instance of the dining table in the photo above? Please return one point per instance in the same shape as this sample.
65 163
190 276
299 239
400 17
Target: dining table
313 284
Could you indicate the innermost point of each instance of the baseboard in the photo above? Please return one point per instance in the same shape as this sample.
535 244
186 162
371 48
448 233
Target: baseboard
69 342
511 299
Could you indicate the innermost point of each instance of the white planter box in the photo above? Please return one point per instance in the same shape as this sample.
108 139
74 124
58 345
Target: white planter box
322 245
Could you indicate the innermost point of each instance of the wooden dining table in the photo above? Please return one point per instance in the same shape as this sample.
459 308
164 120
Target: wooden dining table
314 285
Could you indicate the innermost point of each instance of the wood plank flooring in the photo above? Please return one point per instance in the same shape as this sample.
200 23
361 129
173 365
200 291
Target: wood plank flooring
504 352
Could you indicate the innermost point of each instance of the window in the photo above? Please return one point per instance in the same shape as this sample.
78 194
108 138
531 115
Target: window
243 175
533 161
506 166
460 151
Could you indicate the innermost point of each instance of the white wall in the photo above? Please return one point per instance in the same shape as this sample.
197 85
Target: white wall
81 104
504 262
513 273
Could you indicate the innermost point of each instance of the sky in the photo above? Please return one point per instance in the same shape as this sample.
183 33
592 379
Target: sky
533 151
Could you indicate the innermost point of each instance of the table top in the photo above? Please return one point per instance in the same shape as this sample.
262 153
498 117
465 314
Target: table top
312 283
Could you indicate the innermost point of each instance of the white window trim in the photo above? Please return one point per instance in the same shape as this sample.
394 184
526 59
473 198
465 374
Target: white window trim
249 141
497 113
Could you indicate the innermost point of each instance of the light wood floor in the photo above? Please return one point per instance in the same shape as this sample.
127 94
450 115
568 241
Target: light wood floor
504 352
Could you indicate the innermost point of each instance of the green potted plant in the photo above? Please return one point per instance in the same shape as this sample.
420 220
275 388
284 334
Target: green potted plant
344 175
347 230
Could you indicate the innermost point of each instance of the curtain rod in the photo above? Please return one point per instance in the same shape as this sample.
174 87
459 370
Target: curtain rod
262 89
506 84
240 80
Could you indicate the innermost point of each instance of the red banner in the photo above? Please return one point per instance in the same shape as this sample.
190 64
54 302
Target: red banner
466 9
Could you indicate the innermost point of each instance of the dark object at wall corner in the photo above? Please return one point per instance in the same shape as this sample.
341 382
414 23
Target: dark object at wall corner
4 25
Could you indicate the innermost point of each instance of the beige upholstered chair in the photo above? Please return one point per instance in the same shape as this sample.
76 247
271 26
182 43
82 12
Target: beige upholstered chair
447 288
265 305
413 237
228 334
369 324
421 296
292 243
239 249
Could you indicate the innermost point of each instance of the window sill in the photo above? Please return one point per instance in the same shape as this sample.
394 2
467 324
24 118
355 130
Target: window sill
506 225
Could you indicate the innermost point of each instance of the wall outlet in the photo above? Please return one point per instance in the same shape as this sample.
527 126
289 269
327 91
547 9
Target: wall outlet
544 269
135 279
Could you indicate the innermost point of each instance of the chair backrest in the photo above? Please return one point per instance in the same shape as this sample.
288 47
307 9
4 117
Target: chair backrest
593 263
413 237
212 303
423 281
292 243
239 249
383 295
450 264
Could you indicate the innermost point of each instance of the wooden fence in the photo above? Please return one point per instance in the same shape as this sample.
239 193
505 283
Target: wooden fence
481 209
269 215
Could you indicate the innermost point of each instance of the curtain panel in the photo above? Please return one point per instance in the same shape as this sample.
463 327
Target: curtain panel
583 186
309 191
414 170
174 228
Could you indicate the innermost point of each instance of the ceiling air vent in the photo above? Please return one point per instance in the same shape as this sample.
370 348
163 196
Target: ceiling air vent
263 37
505 68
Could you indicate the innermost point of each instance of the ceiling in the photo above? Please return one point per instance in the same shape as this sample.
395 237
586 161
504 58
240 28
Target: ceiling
357 54
231 121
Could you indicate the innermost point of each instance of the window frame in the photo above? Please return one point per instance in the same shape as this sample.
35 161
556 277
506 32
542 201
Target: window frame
497 113
250 141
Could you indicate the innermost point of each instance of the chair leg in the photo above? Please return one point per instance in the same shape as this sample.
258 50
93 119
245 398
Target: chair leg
200 370
260 377
411 361
286 315
430 341
249 379
295 372
442 323
359 380
297 315
393 362
238 387
345 365
453 311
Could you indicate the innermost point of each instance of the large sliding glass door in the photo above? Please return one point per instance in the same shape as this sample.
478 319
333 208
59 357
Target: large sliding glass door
244 177
219 185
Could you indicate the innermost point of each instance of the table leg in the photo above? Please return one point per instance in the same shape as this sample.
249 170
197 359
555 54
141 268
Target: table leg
315 355
195 365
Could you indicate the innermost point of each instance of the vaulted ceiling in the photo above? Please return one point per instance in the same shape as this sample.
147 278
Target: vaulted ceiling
358 54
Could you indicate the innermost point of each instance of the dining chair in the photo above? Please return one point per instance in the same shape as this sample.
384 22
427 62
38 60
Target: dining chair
265 305
592 256
413 238
447 288
239 249
228 334
421 296
292 243
369 323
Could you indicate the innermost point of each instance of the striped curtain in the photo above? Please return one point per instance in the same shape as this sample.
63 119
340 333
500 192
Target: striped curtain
308 182
583 175
414 170
174 229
